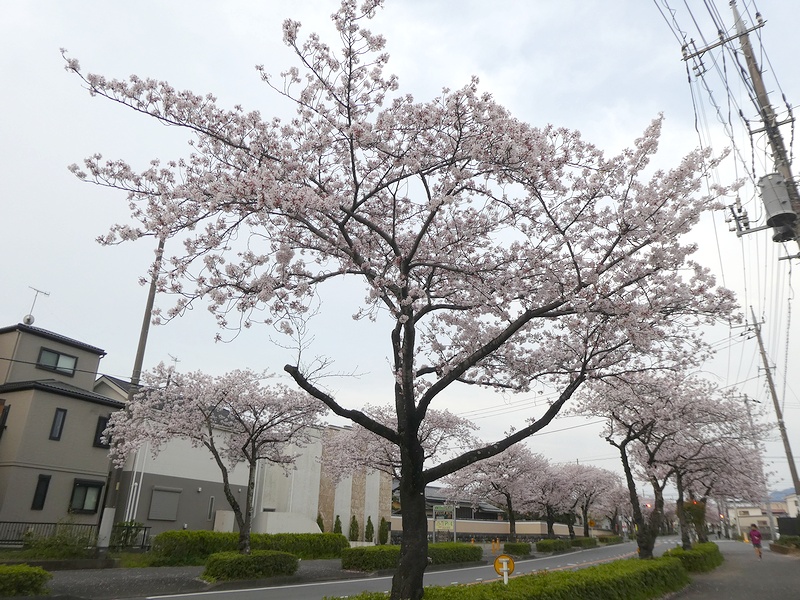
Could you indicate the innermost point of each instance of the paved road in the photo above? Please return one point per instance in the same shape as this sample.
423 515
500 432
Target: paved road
316 591
743 577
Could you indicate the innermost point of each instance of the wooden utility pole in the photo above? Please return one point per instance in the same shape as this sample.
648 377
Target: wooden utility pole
778 412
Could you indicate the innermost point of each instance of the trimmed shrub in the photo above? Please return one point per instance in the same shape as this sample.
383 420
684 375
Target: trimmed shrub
191 547
194 547
306 546
353 533
23 580
448 553
225 566
337 525
700 559
517 548
369 531
630 579
377 558
553 545
370 558
320 523
583 542
383 531
609 539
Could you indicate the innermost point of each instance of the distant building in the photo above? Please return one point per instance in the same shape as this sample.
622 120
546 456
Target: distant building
742 515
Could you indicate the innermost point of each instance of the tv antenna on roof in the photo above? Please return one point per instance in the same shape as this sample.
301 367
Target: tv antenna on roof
28 319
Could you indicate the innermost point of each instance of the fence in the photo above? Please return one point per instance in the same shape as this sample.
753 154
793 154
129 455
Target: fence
14 533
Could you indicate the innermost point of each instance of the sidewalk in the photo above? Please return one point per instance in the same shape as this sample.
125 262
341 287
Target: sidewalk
743 577
108 584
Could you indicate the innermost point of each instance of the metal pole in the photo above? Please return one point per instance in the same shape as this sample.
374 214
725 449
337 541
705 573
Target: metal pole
767 499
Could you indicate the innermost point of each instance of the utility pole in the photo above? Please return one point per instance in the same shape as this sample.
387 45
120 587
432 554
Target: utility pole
774 394
112 490
757 446
769 119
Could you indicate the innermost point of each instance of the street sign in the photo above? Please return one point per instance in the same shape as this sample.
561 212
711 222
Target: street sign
504 565
443 524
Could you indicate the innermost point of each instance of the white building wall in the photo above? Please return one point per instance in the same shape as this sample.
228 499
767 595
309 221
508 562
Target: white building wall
342 502
371 497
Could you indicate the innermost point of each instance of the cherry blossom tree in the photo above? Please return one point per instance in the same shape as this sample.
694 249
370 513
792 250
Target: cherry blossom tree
616 507
233 416
670 427
550 496
357 448
494 253
504 480
589 486
634 409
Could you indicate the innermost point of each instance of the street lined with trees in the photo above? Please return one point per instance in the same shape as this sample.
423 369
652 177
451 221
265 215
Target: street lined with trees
490 252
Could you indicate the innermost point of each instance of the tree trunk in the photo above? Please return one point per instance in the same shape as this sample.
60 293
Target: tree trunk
696 515
407 581
585 516
512 520
550 517
686 541
645 539
571 525
247 520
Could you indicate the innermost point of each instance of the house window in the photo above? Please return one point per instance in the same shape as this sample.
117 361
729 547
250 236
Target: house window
102 423
56 361
211 508
164 504
41 492
58 423
85 496
4 408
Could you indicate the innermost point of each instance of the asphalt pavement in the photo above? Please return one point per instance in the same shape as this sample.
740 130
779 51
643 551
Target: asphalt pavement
744 577
741 577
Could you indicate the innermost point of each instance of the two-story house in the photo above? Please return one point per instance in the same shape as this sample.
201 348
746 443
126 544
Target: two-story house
53 464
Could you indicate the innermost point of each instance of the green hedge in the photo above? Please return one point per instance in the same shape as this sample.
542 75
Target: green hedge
632 579
307 546
700 559
370 558
609 539
583 542
23 580
193 547
517 548
377 558
256 565
790 541
553 545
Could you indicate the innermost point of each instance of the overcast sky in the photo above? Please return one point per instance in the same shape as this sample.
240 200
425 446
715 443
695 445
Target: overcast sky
605 68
